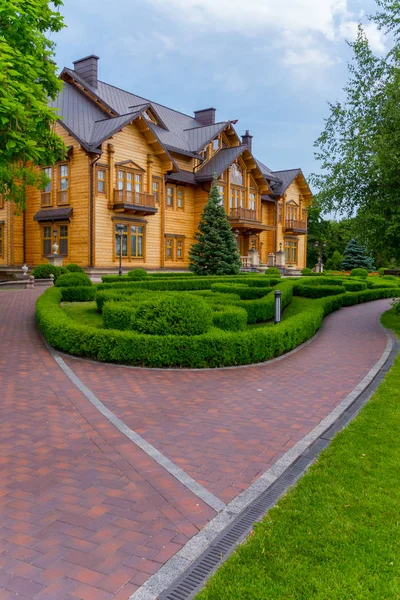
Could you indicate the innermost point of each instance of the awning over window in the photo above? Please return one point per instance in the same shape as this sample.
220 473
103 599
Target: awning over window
53 214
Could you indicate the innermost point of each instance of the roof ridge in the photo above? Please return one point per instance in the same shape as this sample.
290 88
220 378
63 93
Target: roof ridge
151 101
202 126
119 116
286 170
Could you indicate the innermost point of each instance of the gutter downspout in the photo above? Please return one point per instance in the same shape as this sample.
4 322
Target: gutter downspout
91 209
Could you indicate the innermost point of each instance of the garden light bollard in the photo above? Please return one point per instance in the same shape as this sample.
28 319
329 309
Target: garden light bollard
278 306
120 230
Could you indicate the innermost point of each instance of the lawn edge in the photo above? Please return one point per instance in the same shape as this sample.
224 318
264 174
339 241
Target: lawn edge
175 571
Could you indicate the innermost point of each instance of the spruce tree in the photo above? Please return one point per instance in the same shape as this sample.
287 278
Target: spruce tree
215 251
356 256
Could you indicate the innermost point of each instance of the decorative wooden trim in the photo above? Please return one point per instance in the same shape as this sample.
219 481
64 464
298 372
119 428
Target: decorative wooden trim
129 219
125 163
174 235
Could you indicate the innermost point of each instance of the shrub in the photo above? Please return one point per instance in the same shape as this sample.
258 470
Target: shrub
390 277
78 294
230 318
137 274
363 273
118 315
172 315
73 268
273 271
381 271
244 291
396 305
306 271
216 348
354 286
318 291
73 279
44 271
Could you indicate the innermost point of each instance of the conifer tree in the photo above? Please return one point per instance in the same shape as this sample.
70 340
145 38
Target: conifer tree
215 251
356 256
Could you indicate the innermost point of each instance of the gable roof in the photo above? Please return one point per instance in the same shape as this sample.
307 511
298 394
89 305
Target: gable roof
93 114
219 163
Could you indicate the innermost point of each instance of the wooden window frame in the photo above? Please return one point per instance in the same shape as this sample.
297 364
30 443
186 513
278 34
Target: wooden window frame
224 188
158 181
1 240
291 211
252 192
43 238
180 241
292 254
170 240
102 169
216 143
279 211
61 178
1 201
180 190
173 188
49 193
59 238
128 224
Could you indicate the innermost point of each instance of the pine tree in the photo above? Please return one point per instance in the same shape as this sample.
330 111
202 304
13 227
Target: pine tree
215 251
356 256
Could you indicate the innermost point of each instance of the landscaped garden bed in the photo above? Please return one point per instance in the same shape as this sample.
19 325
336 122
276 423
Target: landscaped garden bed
334 535
193 321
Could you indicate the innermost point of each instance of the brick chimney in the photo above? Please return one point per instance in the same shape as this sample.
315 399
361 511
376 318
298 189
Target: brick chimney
87 68
247 140
206 116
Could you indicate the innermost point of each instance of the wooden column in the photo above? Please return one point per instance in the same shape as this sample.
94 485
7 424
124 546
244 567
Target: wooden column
150 162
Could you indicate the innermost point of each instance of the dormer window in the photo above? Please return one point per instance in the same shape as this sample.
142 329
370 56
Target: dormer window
149 116
216 144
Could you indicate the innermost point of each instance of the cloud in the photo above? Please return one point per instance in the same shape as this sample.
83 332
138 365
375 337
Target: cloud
254 15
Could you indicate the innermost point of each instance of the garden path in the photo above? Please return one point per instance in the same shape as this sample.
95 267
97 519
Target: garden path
85 513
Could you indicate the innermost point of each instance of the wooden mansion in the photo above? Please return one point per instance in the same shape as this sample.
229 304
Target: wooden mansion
148 167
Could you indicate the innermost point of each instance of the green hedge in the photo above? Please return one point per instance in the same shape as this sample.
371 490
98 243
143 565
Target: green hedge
73 279
216 348
193 283
78 294
354 286
230 318
315 290
362 273
245 292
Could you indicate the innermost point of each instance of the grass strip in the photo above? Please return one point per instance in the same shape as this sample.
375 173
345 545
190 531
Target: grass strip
336 534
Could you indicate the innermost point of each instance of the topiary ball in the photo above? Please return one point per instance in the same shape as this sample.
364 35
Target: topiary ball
363 273
173 315
137 274
73 279
74 268
272 271
44 271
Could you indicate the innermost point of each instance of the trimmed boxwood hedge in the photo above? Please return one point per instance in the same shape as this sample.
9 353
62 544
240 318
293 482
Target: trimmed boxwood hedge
73 279
216 348
245 292
318 291
354 286
194 283
230 318
78 294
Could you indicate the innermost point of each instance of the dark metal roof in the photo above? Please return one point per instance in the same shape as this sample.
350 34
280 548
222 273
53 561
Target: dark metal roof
286 178
53 214
219 163
92 120
182 177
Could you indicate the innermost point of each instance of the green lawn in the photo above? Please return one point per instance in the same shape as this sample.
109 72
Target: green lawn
83 312
336 535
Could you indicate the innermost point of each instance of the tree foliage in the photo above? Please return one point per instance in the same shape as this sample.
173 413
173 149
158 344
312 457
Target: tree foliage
359 149
215 251
356 256
28 79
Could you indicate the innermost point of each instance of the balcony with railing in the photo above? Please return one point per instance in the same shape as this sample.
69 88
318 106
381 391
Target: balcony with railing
295 226
134 202
243 214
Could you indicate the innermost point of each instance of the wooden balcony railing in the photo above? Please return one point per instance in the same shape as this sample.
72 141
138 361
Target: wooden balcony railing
297 226
247 214
62 197
45 199
135 198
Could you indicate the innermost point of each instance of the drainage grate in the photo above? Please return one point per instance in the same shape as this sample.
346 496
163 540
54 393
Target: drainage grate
193 579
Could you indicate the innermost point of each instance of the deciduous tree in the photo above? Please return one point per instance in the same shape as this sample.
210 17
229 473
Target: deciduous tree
28 79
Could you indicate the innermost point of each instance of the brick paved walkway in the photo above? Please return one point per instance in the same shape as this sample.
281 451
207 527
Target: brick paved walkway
84 513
